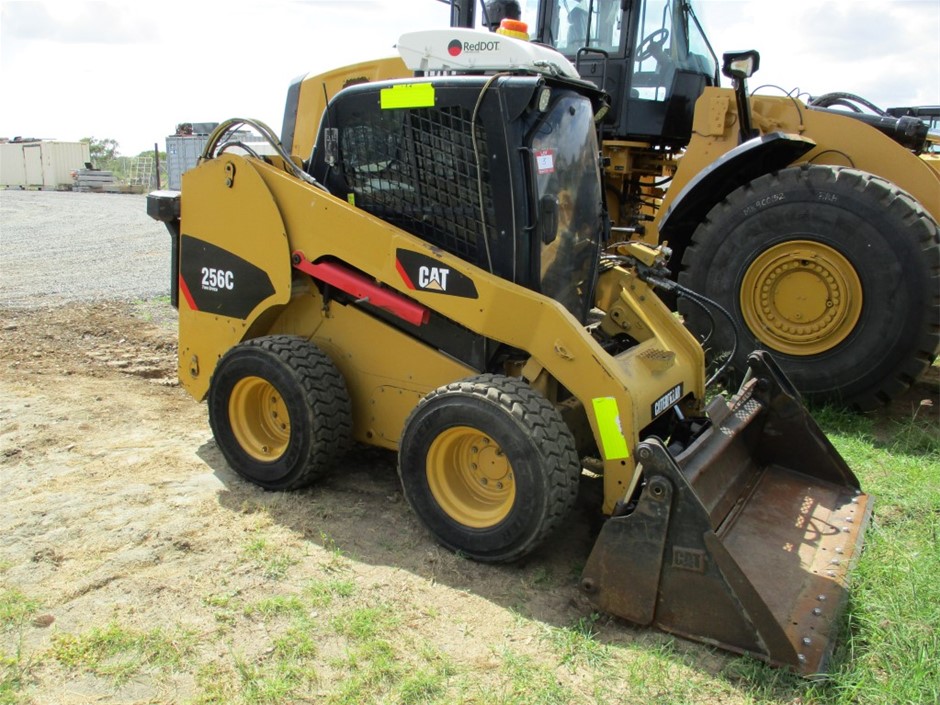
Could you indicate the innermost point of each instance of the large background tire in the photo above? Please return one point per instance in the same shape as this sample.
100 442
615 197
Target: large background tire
279 411
835 271
489 467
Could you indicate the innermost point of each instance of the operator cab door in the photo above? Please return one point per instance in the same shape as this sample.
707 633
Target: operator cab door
649 55
594 35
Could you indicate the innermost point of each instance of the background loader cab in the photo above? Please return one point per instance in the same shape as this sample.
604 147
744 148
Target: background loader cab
651 57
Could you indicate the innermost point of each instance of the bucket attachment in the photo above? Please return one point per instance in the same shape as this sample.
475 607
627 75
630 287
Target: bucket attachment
746 538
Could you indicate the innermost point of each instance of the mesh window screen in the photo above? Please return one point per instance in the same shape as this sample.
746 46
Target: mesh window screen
417 170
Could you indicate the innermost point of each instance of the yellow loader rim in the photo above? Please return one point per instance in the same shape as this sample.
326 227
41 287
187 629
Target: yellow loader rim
801 297
470 477
259 419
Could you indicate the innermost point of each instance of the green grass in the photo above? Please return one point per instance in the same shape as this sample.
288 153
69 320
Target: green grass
15 609
336 560
521 680
278 605
889 650
311 625
321 593
577 645
271 559
364 623
118 652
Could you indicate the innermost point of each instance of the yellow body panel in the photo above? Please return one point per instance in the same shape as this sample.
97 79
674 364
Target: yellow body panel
840 139
386 371
844 141
390 371
234 212
317 90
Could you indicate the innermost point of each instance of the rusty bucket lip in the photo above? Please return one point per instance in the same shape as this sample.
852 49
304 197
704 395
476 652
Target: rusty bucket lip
814 668
814 648
750 538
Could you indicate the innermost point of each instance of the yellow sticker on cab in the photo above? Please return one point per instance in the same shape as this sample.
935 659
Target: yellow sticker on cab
407 95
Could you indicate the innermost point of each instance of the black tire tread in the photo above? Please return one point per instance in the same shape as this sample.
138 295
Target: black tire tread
550 433
324 392
920 229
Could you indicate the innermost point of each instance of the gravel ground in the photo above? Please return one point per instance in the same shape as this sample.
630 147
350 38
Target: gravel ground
58 247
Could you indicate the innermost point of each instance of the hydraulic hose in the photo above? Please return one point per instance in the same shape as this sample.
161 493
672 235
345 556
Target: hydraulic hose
216 145
705 303
659 277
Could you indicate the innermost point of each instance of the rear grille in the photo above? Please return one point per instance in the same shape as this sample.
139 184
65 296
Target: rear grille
417 170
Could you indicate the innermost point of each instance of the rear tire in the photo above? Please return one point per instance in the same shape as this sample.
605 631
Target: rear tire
280 412
835 271
489 467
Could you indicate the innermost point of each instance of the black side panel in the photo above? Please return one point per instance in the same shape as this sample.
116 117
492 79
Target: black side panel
290 113
214 280
419 271
737 167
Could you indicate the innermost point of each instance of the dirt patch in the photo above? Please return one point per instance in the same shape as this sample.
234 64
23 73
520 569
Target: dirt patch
118 509
121 521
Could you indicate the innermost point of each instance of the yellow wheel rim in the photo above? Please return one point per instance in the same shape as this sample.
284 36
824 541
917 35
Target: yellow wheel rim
470 477
259 419
801 298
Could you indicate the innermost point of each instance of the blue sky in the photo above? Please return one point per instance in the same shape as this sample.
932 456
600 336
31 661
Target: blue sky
132 70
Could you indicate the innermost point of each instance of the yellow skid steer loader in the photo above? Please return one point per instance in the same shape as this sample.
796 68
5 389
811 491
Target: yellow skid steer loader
431 280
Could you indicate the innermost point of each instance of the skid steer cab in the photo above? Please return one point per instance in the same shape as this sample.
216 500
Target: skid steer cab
430 279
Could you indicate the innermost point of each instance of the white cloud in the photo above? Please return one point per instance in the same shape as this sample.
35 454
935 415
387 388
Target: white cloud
886 51
73 23
132 70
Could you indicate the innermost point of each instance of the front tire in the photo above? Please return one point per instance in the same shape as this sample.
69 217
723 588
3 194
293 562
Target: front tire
489 467
835 271
280 412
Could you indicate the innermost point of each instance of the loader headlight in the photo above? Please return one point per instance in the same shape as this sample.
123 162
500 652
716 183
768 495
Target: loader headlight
545 98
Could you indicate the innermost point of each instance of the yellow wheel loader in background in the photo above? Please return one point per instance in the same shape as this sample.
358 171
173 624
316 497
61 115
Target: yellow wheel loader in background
815 228
432 278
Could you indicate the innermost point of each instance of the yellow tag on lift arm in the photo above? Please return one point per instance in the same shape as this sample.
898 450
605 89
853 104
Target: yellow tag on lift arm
608 423
408 95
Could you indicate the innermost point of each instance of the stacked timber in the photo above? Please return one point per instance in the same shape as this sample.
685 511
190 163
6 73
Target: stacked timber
94 180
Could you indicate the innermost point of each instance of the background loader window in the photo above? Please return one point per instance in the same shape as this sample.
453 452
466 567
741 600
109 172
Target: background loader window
582 23
654 58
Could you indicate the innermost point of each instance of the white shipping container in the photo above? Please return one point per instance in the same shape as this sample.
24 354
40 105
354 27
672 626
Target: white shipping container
47 164
12 165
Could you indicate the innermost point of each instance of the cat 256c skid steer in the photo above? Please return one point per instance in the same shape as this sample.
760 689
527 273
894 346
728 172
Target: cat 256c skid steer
431 280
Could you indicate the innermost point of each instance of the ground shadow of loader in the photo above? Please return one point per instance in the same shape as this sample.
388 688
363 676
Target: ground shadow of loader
744 540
